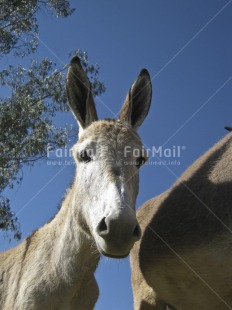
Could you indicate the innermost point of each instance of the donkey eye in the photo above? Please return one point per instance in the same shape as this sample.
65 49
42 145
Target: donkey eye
84 157
140 161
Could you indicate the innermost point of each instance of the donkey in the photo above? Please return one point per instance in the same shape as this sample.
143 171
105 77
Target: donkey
183 260
54 267
229 128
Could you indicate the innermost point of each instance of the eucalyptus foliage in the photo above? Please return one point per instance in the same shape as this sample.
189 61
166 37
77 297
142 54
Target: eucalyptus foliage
19 23
37 94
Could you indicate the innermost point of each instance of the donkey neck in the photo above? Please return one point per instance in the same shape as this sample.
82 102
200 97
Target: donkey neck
74 253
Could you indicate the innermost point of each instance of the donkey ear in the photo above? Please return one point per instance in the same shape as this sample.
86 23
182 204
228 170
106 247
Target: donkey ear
138 100
228 128
79 94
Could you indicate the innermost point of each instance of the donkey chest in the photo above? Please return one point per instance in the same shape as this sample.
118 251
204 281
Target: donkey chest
194 280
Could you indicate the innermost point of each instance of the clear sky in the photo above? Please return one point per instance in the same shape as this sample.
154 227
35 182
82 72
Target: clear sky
187 48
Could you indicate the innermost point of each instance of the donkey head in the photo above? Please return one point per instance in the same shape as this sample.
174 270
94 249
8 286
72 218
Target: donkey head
108 155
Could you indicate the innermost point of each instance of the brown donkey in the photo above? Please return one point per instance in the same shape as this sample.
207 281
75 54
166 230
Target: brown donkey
54 267
184 258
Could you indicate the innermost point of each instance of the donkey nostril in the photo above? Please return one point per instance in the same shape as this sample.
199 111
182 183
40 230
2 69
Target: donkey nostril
102 227
137 232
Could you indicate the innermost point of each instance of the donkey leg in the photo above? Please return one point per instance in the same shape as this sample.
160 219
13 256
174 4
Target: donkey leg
159 305
144 296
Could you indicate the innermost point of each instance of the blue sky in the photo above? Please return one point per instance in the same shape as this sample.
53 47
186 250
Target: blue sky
187 48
